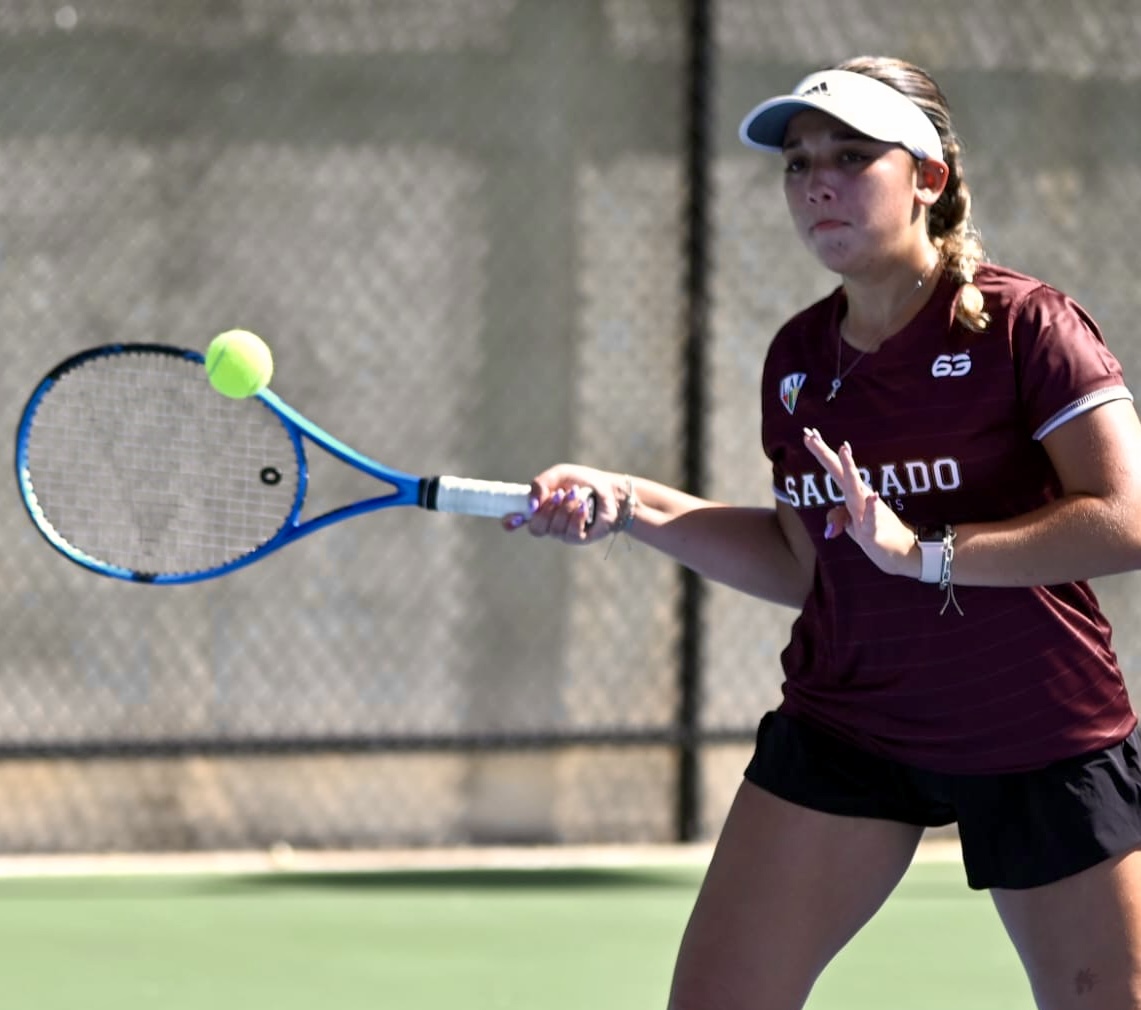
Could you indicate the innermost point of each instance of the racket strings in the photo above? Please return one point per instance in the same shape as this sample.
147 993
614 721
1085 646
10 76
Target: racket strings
135 461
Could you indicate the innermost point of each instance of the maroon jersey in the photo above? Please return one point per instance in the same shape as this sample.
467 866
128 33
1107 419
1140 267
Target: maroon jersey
946 424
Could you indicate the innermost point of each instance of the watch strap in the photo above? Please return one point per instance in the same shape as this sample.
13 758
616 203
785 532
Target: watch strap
932 543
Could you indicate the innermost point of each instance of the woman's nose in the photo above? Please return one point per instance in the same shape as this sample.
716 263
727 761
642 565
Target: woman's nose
817 189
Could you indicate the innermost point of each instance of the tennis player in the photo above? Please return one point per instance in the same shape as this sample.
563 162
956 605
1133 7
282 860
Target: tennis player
954 453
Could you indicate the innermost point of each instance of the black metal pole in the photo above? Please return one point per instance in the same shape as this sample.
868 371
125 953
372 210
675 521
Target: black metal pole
699 116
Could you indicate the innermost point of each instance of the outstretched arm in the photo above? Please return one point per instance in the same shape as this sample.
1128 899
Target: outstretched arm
761 551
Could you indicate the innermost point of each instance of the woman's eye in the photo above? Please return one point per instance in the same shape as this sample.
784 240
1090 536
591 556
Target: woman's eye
848 158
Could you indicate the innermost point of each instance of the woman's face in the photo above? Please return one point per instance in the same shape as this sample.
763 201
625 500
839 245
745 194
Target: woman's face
853 200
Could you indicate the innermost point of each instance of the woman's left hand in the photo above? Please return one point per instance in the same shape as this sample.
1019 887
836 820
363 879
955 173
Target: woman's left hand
882 536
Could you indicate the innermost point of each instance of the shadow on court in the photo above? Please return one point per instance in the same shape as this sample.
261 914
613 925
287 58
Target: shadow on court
570 879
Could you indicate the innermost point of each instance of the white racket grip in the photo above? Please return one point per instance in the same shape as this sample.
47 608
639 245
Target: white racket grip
490 498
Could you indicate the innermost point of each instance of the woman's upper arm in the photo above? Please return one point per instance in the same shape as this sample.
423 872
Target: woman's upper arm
1098 453
799 543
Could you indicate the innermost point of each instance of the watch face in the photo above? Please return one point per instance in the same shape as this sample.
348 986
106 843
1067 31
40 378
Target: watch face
931 534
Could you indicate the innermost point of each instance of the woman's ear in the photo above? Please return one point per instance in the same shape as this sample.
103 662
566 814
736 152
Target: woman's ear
931 180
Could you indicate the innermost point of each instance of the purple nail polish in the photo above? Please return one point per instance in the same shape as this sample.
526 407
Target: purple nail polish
516 521
533 504
829 531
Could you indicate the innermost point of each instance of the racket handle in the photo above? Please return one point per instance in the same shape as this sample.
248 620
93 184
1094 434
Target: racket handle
490 498
462 495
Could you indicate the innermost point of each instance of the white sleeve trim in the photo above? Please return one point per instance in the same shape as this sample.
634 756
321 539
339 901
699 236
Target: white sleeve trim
1086 403
780 495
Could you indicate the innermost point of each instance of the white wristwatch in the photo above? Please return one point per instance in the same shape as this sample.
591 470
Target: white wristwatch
932 541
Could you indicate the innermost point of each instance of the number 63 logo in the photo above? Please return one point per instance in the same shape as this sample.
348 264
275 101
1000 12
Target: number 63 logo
951 365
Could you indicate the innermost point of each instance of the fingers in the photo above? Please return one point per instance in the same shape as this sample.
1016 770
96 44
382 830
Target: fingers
822 451
848 461
565 513
840 464
516 520
863 516
836 522
859 500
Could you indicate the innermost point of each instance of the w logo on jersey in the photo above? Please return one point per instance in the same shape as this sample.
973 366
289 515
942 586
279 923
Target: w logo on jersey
790 387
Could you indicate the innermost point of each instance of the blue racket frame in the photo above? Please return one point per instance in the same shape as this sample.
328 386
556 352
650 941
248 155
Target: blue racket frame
408 489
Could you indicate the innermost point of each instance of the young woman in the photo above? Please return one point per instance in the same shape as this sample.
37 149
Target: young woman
954 453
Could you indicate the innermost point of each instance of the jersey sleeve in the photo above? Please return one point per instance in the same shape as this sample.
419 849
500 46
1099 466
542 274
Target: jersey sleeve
1064 366
781 381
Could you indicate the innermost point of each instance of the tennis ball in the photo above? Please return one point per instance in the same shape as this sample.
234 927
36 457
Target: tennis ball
238 363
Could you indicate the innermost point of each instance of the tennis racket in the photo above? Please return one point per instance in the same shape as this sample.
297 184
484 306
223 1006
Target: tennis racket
132 465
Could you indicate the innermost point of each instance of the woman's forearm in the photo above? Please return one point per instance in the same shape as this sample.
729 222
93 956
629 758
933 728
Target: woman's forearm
745 548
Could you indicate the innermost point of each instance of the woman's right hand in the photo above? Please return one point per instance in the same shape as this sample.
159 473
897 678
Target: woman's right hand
561 500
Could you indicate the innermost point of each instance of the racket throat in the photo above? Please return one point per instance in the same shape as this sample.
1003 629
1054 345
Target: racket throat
429 493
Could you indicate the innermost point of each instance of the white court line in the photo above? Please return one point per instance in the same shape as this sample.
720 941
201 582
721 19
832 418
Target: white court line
283 858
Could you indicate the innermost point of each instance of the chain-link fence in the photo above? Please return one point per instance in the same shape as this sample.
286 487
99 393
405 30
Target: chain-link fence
481 236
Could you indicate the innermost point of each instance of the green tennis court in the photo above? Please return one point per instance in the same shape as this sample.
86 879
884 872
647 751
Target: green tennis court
601 939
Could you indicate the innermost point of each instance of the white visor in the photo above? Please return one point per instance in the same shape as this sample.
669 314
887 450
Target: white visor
868 106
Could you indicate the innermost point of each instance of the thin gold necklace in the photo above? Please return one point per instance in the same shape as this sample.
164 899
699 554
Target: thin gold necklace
841 375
